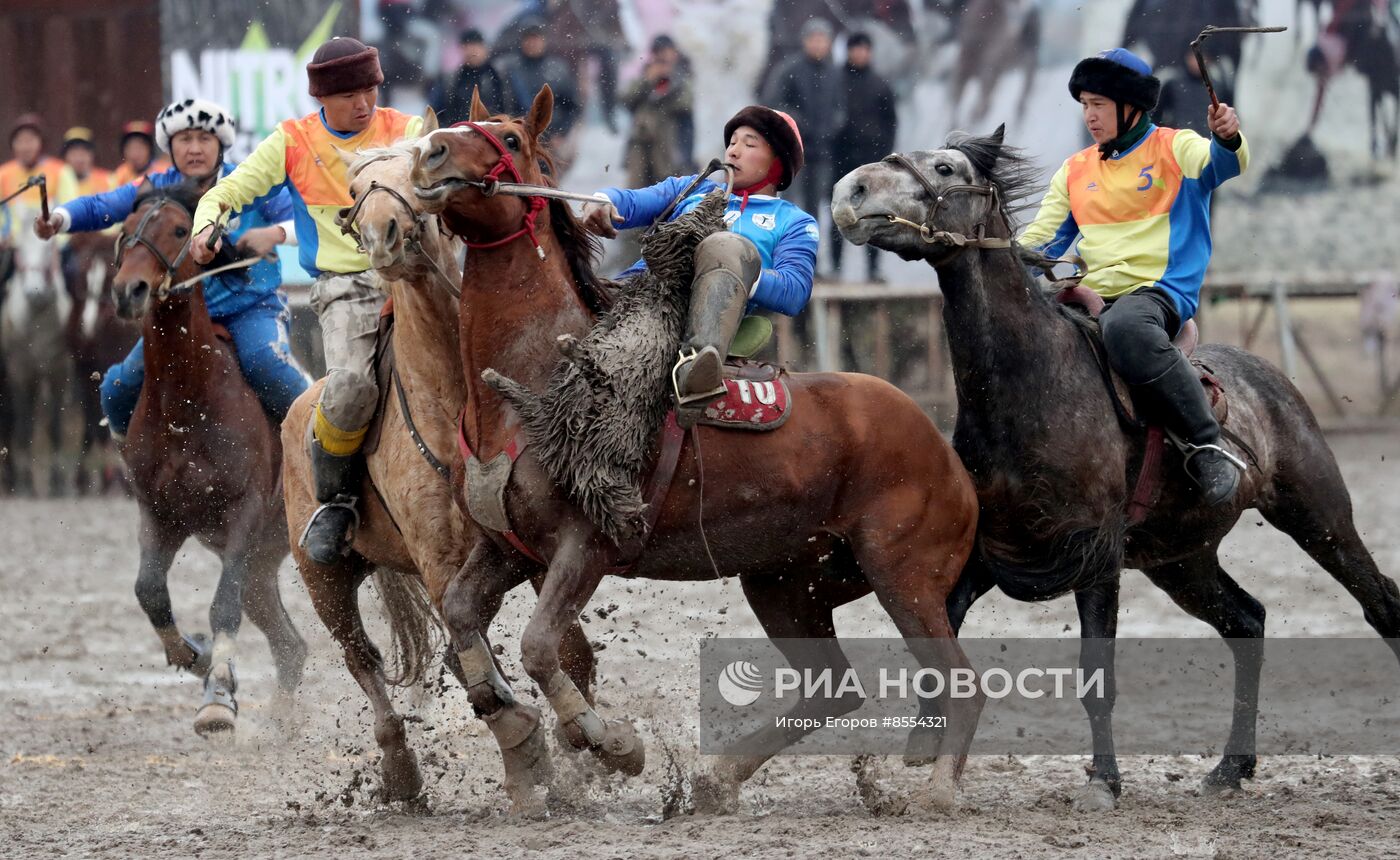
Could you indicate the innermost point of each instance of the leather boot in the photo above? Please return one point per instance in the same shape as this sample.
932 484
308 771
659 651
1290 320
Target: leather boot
332 527
726 265
1191 423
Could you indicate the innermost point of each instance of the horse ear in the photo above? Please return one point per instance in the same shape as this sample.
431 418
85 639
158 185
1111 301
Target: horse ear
348 158
999 135
541 112
430 121
479 112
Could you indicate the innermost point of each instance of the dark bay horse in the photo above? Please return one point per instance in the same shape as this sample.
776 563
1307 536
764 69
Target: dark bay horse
204 461
1037 430
856 493
412 536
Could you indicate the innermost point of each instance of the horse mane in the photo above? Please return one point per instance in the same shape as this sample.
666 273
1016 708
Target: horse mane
1017 179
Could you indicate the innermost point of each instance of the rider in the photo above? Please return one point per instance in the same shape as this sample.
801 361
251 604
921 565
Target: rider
253 307
1139 198
302 155
765 260
138 147
27 144
80 156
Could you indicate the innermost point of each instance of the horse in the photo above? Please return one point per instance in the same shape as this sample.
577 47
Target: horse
995 37
1036 427
1367 43
203 459
411 535
97 338
856 492
38 370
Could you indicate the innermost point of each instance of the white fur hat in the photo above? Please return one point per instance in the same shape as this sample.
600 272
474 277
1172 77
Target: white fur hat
194 113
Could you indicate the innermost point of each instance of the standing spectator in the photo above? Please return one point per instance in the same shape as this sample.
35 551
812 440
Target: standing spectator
81 158
1184 101
810 88
451 96
664 47
139 159
657 101
531 68
868 133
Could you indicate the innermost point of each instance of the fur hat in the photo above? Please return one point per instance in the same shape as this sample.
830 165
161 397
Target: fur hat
194 113
779 129
343 65
139 128
1118 74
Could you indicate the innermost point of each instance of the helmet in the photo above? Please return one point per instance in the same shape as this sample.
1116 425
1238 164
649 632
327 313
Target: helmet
779 129
139 128
77 136
31 121
194 113
1118 74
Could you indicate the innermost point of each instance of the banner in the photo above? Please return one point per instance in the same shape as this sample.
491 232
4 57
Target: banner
249 55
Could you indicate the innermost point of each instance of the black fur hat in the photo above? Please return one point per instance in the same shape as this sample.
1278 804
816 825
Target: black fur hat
1120 75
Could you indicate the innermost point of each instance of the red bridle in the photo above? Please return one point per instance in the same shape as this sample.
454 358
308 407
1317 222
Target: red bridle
488 183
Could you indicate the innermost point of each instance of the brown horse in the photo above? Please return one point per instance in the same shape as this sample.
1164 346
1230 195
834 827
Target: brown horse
856 493
203 460
411 534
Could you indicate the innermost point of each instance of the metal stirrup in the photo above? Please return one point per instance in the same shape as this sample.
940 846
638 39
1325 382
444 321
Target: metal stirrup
1190 449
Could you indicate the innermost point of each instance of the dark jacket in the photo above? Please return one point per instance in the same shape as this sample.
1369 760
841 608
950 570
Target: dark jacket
869 132
451 96
523 78
814 93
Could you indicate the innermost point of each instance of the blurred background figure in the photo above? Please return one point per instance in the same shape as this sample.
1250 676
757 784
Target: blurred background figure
27 145
1184 100
810 88
528 69
658 100
81 157
451 96
867 135
138 146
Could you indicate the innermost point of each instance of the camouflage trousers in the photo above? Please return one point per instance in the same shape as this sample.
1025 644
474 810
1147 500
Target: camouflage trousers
348 306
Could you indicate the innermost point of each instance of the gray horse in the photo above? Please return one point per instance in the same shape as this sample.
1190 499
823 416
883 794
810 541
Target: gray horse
1036 428
38 367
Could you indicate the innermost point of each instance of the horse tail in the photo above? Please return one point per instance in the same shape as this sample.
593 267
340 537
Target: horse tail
1079 559
413 625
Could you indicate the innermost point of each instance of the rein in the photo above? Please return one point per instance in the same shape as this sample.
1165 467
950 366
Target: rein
166 289
490 185
928 233
413 241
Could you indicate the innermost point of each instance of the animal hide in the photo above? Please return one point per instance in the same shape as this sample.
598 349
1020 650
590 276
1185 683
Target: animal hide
593 426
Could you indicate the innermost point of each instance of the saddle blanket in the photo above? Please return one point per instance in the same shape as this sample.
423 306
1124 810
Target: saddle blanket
749 404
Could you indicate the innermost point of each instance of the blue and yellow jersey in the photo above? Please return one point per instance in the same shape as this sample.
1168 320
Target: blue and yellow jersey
301 155
1143 216
786 237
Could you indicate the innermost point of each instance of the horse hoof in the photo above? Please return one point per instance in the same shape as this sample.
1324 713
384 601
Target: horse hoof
528 767
1094 796
214 719
712 795
402 779
622 750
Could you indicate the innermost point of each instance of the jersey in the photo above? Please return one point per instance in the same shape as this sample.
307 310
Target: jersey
786 237
300 155
1143 216
60 184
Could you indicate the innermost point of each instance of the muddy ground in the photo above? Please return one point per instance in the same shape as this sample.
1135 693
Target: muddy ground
99 758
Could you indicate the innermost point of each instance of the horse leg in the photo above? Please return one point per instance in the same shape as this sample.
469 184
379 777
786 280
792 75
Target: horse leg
1098 625
219 711
469 604
335 596
58 395
262 602
26 404
790 606
158 548
574 574
1201 586
973 583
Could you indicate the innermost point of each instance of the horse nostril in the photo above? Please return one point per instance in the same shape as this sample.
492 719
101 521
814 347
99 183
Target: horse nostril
391 233
437 155
858 194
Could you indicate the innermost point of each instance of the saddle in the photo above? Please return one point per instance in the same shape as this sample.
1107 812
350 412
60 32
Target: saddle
1148 486
756 396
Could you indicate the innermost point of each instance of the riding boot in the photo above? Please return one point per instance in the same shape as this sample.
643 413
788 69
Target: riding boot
1191 424
726 266
329 533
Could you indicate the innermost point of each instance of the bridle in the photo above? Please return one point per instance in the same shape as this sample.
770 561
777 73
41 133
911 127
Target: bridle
126 243
413 241
927 230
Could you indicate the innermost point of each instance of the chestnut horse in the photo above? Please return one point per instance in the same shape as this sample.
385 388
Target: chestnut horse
411 534
856 493
203 460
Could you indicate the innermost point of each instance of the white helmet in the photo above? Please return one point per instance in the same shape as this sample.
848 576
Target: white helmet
194 113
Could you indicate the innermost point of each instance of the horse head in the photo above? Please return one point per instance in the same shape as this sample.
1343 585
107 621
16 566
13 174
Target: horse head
154 247
386 217
455 169
930 205
37 271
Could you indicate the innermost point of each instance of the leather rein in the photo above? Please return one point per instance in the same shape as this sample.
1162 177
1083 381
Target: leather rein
413 241
928 231
126 243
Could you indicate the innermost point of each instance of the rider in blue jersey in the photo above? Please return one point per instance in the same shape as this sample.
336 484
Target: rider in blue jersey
765 260
250 303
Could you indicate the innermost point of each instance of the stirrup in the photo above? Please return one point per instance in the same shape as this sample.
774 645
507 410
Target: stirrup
340 501
684 359
1189 450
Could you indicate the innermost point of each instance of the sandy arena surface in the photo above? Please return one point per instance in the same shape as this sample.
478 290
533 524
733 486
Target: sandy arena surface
99 758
